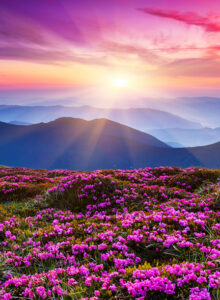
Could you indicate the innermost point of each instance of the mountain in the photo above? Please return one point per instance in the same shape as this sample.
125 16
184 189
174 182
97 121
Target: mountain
41 145
72 128
207 155
140 118
179 137
98 144
19 123
204 110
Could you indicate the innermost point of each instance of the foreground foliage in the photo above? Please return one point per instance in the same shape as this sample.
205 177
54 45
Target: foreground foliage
141 234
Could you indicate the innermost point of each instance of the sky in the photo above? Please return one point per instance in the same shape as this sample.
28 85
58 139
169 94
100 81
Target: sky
103 52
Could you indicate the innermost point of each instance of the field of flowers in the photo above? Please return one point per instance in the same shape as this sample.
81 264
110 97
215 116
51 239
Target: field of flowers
140 234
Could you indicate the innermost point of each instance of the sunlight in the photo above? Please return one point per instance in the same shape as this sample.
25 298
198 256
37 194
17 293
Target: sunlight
113 88
120 82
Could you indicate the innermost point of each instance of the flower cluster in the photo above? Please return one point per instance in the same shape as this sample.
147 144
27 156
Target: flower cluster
135 234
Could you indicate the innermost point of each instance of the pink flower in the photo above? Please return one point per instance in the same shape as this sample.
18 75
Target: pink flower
72 281
28 293
8 233
7 296
97 293
41 292
102 246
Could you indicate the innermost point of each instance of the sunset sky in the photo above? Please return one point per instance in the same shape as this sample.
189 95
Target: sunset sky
110 49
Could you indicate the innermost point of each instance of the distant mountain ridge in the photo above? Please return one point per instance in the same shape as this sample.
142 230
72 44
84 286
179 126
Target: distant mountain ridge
180 137
140 118
19 123
77 144
204 110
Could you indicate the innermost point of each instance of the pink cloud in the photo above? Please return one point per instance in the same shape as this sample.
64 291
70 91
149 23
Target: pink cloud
193 67
208 23
117 48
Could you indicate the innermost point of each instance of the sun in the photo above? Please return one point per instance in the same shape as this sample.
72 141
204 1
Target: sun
120 82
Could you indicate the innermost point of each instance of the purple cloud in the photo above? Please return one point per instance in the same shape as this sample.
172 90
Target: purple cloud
13 29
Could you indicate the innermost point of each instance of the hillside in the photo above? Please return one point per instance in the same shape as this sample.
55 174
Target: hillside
70 129
71 143
125 234
99 144
78 144
139 118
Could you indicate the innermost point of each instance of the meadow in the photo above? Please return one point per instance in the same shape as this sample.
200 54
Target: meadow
150 233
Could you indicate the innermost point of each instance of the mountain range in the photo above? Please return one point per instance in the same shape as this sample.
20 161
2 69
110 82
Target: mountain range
205 110
181 137
99 144
169 128
140 118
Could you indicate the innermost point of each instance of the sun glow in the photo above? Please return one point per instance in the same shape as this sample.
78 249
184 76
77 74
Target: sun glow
120 82
117 87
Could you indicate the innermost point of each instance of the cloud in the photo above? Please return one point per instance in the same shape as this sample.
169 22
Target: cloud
86 40
26 40
48 56
53 31
155 52
193 67
27 53
13 29
208 23
117 48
